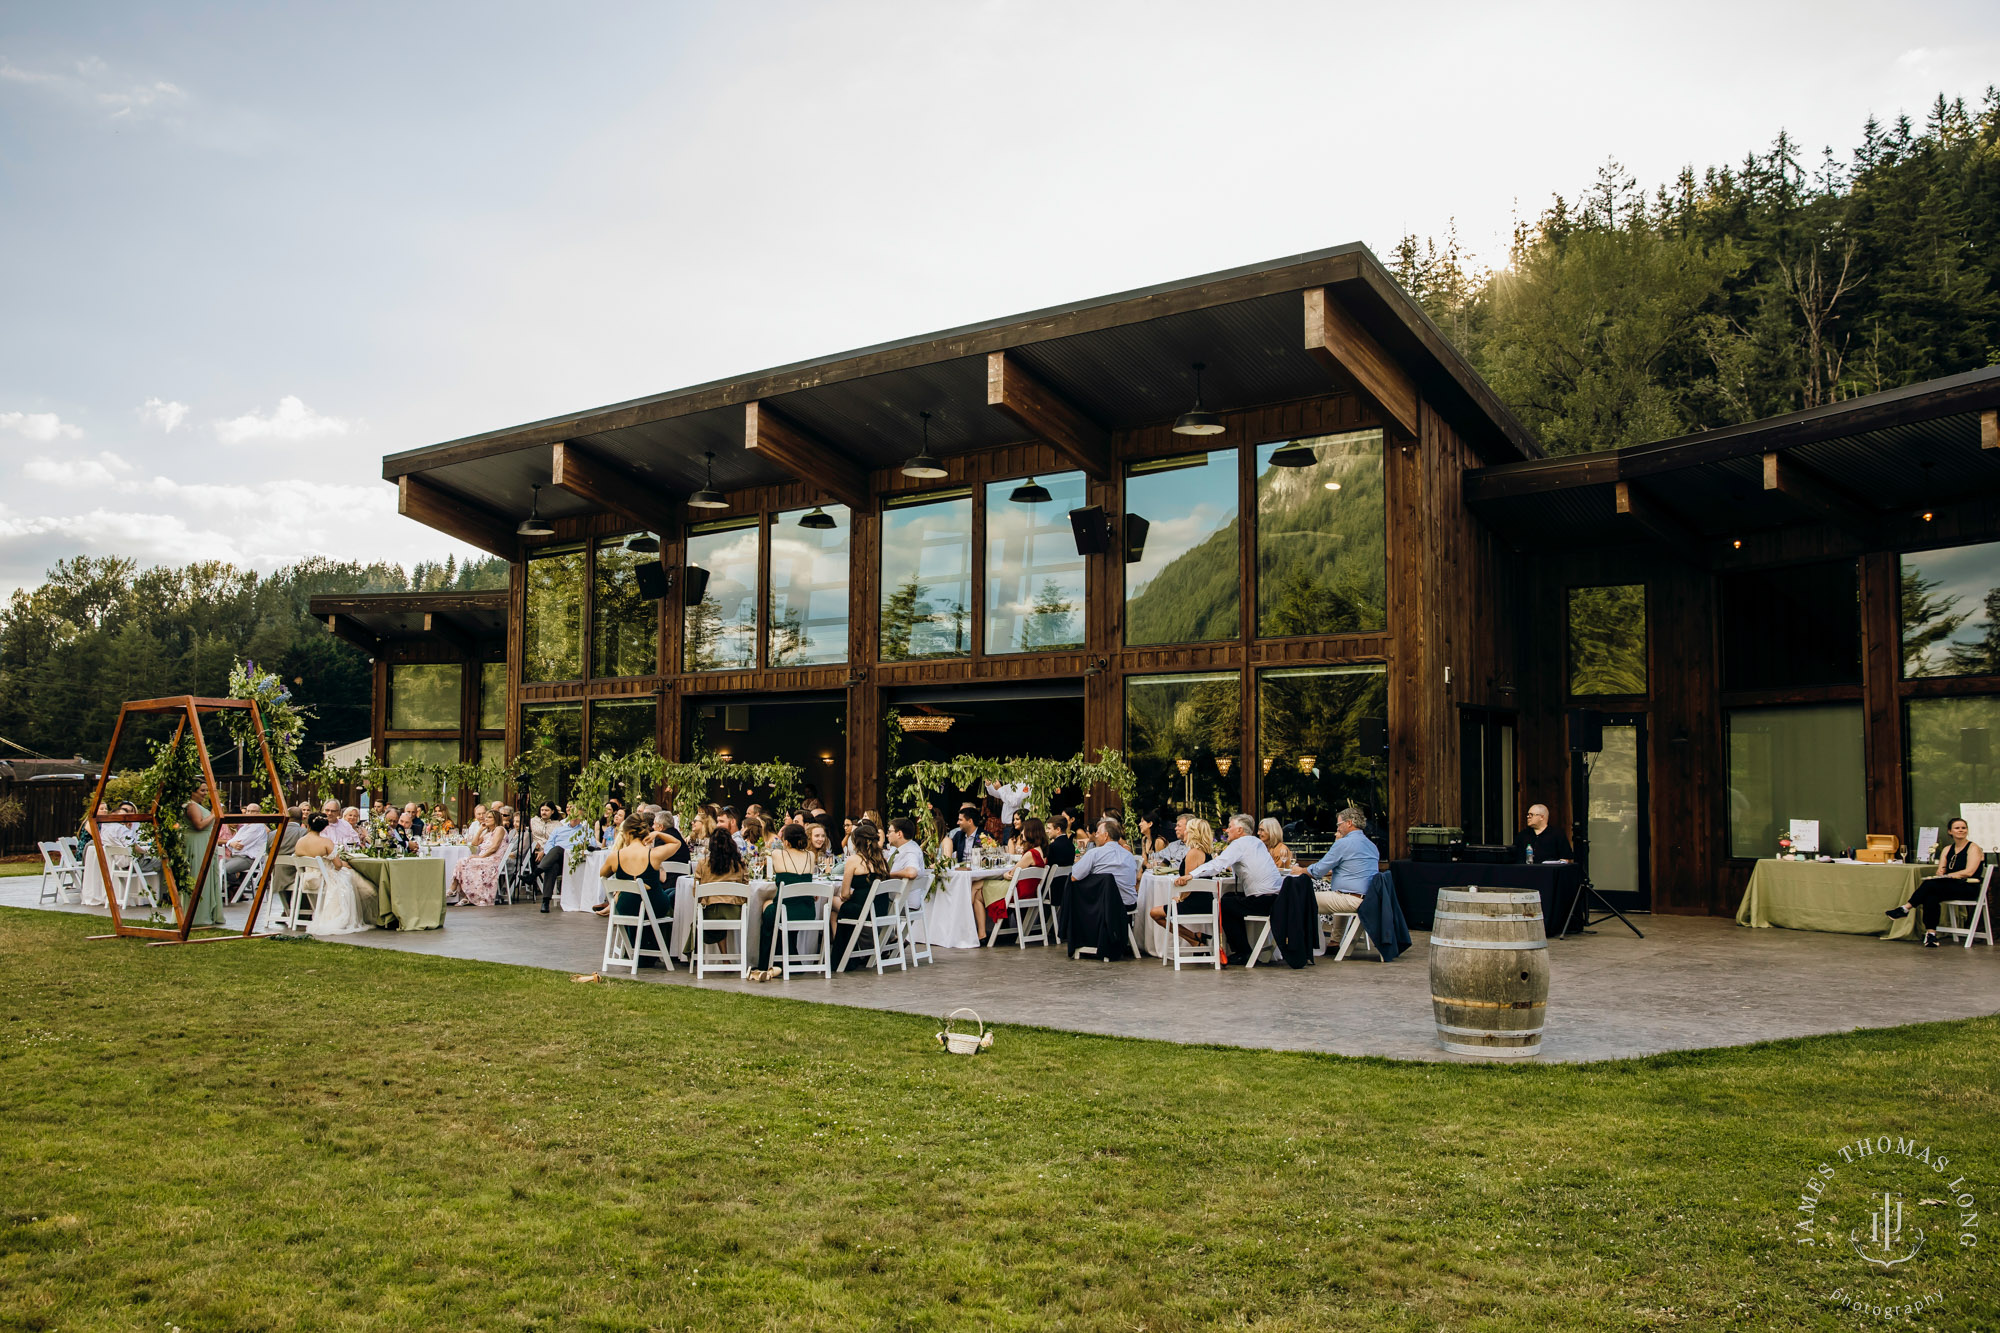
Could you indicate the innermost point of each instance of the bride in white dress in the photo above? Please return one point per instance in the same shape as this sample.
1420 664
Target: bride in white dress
343 902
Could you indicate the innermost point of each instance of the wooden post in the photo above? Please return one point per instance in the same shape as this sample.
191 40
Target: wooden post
1882 706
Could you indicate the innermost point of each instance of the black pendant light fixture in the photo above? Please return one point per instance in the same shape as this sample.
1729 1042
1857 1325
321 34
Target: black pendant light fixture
923 465
1031 493
534 525
643 543
1197 420
1296 454
708 497
818 520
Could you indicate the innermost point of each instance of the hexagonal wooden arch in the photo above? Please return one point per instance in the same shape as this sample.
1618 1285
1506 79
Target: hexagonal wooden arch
190 708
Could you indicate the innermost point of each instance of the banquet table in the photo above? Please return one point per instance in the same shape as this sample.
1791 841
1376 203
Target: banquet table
409 890
583 887
680 937
451 853
1157 890
951 914
1418 882
1844 897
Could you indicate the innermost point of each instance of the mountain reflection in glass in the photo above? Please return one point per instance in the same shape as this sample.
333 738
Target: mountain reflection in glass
1034 577
1185 589
1322 557
552 630
624 623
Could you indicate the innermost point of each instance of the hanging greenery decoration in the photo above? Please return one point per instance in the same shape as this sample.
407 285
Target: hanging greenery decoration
284 721
913 787
166 786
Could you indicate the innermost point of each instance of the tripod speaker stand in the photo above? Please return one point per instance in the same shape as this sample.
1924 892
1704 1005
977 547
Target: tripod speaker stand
1586 737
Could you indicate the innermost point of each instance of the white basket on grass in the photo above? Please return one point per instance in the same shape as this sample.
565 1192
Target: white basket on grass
961 1042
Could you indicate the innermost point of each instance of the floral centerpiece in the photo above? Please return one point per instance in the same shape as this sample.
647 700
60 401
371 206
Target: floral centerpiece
284 721
379 841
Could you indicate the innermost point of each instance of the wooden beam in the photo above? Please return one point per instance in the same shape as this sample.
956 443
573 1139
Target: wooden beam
473 524
1817 496
596 480
450 633
806 457
1017 395
353 631
1337 341
1989 428
1661 526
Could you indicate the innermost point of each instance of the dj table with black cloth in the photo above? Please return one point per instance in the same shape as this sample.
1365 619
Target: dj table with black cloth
1418 882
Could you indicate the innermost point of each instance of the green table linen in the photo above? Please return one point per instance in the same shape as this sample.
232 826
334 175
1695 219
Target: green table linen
1843 897
409 890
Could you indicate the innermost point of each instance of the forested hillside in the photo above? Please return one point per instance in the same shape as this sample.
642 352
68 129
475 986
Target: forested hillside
101 631
1788 281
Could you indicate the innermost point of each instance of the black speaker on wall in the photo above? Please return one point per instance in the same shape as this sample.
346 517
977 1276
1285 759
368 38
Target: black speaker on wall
1374 737
1091 529
1136 529
654 582
1586 730
694 585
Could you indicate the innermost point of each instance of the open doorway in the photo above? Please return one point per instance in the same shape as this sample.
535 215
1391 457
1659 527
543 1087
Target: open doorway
809 730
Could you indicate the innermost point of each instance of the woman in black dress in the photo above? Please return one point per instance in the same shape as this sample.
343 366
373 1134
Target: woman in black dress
865 867
1957 877
633 867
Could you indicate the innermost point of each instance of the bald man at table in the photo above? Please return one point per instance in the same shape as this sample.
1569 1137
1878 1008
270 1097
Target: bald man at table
1540 843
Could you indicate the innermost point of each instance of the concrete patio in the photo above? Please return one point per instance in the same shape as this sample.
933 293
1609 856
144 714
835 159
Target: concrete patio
1691 982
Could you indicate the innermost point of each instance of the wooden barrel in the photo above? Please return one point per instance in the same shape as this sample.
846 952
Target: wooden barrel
1489 972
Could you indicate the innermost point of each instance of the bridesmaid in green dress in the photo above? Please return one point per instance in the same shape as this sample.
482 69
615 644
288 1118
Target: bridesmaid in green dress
208 907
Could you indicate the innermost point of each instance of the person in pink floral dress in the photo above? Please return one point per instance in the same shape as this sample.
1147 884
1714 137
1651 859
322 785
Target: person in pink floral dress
477 878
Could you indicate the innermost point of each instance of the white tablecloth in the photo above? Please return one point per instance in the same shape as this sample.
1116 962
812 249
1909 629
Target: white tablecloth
1154 891
583 887
451 853
950 920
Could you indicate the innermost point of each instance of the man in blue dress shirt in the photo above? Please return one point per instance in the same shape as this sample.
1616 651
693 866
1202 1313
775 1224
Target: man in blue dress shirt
1352 863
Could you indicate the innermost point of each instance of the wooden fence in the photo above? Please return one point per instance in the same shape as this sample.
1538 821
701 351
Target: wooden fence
54 808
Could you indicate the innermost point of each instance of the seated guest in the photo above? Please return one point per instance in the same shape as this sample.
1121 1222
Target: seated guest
543 824
1257 880
610 821
818 841
346 830
1351 864
993 893
1062 848
906 859
750 837
414 818
860 879
555 854
1176 850
633 868
791 863
409 830
246 842
1199 847
1539 842
439 823
963 839
1103 887
1153 838
1959 859
476 880
288 841
345 902
1272 834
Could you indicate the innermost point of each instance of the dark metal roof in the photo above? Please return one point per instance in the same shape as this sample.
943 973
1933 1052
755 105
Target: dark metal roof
1122 359
1890 453
480 617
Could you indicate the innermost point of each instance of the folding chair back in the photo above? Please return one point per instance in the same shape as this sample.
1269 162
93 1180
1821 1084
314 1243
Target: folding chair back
720 957
61 872
816 923
1979 926
1024 915
1179 951
882 917
626 933
916 919
1057 879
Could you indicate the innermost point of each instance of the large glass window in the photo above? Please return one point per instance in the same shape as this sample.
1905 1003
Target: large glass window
493 696
1791 627
1183 588
554 730
1034 577
1309 759
927 578
1322 538
1796 763
1951 611
1184 740
421 752
722 630
809 583
1954 757
425 697
621 726
625 624
552 632
1607 639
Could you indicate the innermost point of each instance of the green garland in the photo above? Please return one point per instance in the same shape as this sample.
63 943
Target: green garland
284 721
166 786
912 786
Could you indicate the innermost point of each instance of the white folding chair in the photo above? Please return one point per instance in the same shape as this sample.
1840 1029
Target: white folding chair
1023 896
625 935
304 902
61 873
786 955
1179 951
247 886
882 917
130 882
1058 876
916 920
1980 925
717 958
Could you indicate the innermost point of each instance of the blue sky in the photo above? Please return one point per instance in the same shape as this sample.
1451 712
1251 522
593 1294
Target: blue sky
247 250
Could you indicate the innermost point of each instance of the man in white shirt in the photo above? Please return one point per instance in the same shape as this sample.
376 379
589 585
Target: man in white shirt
1011 795
1257 882
244 846
345 829
1090 921
907 860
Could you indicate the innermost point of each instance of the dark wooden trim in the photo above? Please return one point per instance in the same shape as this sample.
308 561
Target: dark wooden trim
1947 687
473 524
1653 519
517 609
446 630
1816 496
1802 694
395 603
811 460
352 631
596 480
1989 429
1337 340
1017 395
1882 705
424 734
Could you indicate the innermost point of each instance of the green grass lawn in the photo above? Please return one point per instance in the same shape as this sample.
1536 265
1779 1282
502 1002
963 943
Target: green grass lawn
299 1135
26 866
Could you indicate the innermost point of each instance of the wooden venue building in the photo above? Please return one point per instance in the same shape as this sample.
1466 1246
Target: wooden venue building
1264 531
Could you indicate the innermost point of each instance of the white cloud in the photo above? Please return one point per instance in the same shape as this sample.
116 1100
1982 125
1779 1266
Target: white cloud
164 413
39 426
292 421
141 98
104 470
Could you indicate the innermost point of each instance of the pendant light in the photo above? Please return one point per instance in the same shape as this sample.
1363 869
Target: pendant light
708 497
1033 493
1296 454
818 520
923 465
643 543
534 525
1197 420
